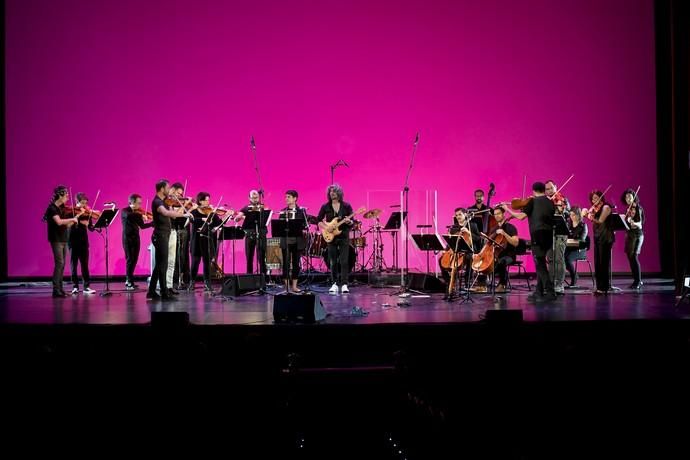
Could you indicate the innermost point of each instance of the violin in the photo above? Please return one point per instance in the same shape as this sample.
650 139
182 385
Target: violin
220 212
176 202
146 214
595 208
68 211
520 203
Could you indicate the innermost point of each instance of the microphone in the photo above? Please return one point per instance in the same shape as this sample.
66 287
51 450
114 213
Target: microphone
252 143
416 139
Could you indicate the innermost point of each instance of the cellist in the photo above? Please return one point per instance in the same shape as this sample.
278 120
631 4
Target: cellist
507 255
460 225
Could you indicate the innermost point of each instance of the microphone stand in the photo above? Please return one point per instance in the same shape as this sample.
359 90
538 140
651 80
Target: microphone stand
258 245
404 290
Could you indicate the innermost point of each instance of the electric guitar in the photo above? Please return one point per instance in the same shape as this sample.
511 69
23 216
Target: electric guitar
332 228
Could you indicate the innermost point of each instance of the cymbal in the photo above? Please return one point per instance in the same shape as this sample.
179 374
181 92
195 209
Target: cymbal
372 214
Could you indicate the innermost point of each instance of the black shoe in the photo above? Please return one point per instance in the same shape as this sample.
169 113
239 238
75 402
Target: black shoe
172 292
548 298
152 296
168 298
534 297
130 286
636 286
59 294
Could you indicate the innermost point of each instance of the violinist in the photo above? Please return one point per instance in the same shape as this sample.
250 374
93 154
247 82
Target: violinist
539 210
203 239
58 223
255 239
577 231
133 219
78 243
178 257
507 255
634 236
556 256
600 213
160 238
460 225
292 247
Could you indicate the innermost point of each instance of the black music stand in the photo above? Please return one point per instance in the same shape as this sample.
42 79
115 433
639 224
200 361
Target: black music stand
233 234
618 223
393 225
428 243
107 217
459 245
256 221
288 228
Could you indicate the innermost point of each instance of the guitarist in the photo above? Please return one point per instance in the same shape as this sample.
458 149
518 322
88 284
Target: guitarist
338 248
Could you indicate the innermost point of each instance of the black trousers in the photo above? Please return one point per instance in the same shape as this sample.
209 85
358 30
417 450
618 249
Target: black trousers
205 254
252 244
633 246
602 264
160 263
131 247
501 268
79 255
181 274
59 254
338 256
291 265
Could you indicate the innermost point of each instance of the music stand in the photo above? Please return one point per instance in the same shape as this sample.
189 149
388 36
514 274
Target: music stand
459 245
107 217
618 223
232 233
256 221
393 225
288 228
428 243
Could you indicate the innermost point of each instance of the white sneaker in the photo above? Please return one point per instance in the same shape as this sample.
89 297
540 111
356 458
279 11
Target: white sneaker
88 290
333 289
344 289
75 290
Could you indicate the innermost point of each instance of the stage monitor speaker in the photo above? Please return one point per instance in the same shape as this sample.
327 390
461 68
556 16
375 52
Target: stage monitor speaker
236 285
169 319
425 282
306 308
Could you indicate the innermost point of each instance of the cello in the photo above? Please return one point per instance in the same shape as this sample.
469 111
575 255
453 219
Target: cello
455 259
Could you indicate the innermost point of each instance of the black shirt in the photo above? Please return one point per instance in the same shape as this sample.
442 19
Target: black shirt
479 220
639 217
329 214
578 232
161 223
56 233
604 232
540 211
131 223
510 230
206 234
78 237
474 230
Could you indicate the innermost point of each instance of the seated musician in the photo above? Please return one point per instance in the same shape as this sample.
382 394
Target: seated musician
461 225
507 255
577 233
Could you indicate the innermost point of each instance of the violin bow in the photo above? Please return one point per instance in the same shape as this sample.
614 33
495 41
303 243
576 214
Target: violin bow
633 200
524 183
94 203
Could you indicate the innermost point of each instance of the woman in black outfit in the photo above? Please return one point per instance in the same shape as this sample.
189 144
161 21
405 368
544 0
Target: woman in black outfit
634 236
600 215
577 230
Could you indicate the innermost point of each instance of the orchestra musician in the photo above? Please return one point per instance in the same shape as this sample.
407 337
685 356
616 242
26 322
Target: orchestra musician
600 215
160 238
461 225
556 257
78 243
577 231
634 236
132 220
57 225
204 242
539 210
181 229
508 254
338 249
292 247
255 239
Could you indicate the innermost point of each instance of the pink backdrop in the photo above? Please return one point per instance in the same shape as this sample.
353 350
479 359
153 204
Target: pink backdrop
113 95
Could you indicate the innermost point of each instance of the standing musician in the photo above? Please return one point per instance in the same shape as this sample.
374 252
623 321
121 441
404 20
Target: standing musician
480 220
180 226
508 254
634 236
460 225
177 231
133 220
78 243
204 240
255 239
577 231
604 237
539 210
292 247
57 235
338 249
556 257
160 238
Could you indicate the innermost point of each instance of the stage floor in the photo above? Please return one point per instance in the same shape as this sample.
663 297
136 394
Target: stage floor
31 303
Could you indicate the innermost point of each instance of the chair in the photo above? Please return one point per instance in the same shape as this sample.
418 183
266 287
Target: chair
520 269
583 258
